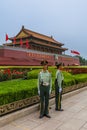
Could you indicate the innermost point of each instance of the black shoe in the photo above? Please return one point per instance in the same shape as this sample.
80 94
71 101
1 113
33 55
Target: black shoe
59 109
47 115
56 109
41 116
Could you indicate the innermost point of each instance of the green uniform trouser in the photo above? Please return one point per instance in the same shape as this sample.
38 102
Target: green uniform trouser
58 97
44 100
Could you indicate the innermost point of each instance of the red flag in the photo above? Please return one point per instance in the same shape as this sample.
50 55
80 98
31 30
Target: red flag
75 52
27 44
14 40
6 38
21 42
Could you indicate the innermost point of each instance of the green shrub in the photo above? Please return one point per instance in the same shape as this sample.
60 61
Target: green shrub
14 90
80 78
18 89
33 74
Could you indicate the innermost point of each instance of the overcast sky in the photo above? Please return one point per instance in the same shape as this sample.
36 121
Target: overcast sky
65 20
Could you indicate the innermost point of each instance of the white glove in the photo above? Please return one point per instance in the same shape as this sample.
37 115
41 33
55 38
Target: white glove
39 93
49 92
60 90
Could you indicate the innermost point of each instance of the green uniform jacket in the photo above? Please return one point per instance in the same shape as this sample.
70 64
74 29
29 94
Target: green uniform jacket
59 77
44 77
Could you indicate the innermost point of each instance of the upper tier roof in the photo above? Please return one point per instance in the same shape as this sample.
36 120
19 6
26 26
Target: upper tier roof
26 33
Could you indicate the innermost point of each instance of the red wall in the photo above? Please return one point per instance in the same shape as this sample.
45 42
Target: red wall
14 53
68 60
20 57
1 52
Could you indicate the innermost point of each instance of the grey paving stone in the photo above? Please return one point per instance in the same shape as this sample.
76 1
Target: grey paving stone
74 116
72 124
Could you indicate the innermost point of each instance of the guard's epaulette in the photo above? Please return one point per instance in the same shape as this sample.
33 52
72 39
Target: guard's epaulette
40 71
49 71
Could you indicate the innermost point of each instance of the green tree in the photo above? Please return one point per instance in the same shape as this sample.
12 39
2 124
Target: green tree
82 60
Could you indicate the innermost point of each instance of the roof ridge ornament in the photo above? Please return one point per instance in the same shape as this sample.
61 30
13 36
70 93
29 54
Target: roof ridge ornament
22 26
51 36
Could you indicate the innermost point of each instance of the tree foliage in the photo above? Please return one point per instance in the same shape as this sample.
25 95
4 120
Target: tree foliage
83 61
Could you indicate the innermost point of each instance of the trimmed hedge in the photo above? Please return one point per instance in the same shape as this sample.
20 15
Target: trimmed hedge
19 68
15 72
79 78
76 69
18 89
15 90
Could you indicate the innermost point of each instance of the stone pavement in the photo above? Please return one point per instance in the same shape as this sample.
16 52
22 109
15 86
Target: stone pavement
74 116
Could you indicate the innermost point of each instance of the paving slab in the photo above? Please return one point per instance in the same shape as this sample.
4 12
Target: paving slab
74 116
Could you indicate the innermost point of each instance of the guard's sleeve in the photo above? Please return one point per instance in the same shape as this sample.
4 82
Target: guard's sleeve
62 76
38 83
56 74
50 83
59 79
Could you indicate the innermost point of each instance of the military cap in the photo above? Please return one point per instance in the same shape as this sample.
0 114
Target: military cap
58 64
44 62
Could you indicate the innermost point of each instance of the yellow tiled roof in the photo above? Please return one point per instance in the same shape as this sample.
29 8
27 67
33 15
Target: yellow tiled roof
41 36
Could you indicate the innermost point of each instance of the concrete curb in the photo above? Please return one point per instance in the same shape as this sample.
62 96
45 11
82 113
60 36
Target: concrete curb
26 111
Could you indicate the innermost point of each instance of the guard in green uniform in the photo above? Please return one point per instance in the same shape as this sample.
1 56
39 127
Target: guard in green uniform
58 87
44 89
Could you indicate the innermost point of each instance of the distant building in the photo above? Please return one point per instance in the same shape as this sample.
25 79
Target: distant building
29 48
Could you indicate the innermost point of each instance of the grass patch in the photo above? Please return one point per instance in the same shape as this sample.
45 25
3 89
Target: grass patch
18 89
